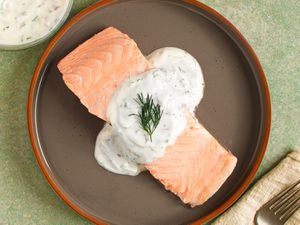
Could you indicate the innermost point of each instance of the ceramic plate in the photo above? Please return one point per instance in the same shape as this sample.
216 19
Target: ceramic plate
235 109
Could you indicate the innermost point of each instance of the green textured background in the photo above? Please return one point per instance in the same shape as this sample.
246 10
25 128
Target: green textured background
271 26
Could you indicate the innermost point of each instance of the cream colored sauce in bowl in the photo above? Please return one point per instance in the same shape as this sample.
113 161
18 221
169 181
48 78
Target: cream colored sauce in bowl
24 23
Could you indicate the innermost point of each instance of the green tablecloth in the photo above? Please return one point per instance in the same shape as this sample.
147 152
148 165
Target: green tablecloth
272 28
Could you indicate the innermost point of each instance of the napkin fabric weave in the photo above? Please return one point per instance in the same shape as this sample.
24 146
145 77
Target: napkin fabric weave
283 175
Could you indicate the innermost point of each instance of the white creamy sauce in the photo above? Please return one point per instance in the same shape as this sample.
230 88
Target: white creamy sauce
23 21
113 155
176 84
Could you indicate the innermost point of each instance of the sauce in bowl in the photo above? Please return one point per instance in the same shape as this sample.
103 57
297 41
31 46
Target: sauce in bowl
23 22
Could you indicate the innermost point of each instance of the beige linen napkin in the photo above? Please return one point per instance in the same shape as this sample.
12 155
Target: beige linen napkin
284 174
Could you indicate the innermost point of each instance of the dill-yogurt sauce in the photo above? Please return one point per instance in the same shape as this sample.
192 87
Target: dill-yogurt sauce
176 84
24 21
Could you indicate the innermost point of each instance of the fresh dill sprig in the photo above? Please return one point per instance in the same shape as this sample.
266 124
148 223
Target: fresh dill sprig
149 114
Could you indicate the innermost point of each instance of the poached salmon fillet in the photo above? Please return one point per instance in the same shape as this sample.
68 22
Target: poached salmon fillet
97 67
196 166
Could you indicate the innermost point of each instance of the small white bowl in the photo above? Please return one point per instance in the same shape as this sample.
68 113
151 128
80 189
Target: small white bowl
42 38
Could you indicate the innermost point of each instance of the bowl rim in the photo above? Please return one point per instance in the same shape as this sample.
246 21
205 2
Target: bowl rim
44 37
235 31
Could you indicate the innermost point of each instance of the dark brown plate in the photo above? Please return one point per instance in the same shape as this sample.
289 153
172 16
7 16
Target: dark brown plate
235 109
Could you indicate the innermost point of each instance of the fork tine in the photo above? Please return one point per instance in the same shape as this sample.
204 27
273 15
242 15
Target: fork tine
290 212
277 199
278 207
285 207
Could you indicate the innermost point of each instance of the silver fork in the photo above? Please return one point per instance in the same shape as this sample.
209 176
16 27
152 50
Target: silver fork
280 208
